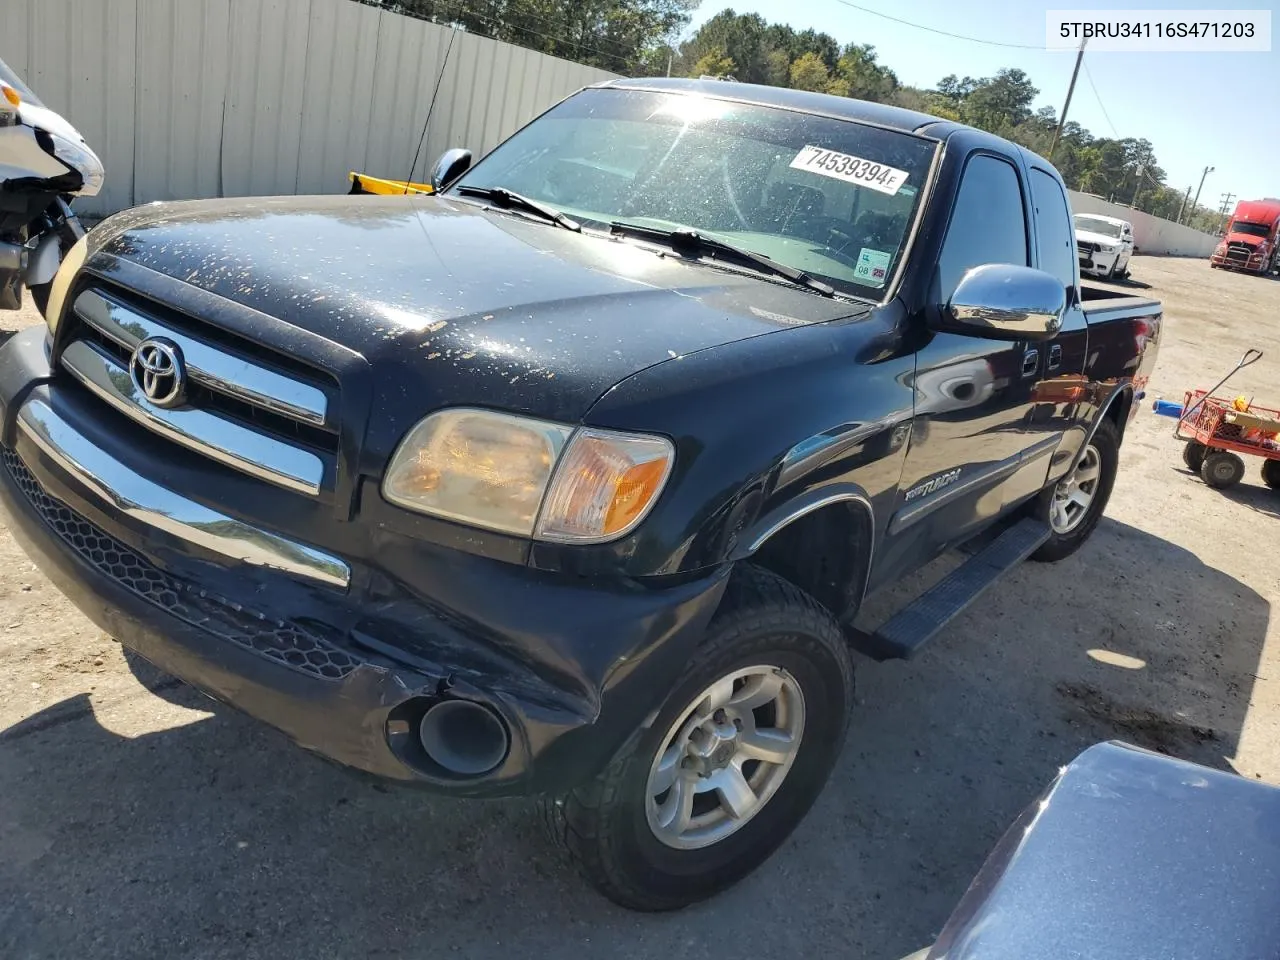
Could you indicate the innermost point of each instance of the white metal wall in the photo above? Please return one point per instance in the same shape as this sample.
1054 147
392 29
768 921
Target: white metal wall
207 98
1151 235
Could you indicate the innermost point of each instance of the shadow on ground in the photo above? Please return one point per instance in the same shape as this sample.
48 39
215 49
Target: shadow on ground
1249 492
218 839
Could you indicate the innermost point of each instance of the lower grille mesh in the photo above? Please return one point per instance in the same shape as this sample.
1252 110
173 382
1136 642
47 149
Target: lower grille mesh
288 643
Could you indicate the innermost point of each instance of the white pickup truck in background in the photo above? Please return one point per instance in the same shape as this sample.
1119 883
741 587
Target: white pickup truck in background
1105 245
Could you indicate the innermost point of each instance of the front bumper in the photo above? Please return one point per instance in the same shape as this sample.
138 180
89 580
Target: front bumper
573 668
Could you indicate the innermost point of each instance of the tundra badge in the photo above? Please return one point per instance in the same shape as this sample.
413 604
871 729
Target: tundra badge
937 483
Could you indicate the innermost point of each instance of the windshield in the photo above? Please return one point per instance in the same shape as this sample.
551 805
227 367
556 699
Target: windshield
13 80
832 198
1094 225
1250 229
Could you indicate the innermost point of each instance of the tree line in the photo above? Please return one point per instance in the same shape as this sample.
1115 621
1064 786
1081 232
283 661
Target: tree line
636 38
1122 169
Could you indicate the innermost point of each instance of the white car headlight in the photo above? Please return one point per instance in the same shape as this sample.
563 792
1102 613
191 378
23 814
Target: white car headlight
528 477
82 160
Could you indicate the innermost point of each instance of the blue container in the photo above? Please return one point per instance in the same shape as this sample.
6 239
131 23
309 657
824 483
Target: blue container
1167 408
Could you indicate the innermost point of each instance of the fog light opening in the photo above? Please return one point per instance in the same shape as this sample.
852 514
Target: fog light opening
463 737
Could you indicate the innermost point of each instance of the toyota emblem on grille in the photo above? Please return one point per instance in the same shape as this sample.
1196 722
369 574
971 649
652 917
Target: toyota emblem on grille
158 371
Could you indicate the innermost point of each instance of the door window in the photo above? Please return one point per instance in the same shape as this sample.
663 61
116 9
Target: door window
988 224
1053 228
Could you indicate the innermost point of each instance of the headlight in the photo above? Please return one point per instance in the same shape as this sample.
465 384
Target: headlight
10 101
528 477
82 160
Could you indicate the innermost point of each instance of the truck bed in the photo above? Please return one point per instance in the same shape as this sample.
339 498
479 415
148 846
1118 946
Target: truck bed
1101 303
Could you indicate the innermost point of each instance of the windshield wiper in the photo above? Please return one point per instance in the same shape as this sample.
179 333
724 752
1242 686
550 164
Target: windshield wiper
691 243
510 200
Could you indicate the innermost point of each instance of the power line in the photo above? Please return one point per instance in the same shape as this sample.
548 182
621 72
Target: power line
1088 76
942 33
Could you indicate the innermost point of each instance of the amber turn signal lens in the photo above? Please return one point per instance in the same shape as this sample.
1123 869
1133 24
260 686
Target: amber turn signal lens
604 485
11 94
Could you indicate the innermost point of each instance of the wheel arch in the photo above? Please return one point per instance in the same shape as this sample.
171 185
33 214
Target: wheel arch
822 541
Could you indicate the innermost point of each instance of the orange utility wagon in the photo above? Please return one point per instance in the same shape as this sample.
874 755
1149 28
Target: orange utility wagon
1218 431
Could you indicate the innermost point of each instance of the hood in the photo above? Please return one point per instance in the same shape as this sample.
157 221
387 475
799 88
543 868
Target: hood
1246 238
1129 854
1088 236
455 305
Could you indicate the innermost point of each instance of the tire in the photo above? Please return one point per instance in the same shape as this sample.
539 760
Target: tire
1111 271
1193 455
1065 539
1222 469
1271 473
764 622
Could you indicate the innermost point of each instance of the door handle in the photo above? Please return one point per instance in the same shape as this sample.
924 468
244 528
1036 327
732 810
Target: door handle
1055 356
1030 362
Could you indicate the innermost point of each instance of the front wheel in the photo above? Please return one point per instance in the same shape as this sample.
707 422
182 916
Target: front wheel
1073 506
1193 455
1222 469
732 762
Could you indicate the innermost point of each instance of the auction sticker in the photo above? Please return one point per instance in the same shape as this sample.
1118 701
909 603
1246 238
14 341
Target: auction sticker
851 169
873 267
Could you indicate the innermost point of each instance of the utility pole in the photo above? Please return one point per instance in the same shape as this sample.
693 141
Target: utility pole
1185 198
1207 171
671 56
1137 186
1223 210
1071 88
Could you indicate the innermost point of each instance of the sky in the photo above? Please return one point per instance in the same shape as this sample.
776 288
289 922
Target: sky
1197 109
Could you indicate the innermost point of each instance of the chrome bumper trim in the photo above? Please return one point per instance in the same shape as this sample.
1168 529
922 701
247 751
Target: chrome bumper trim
224 440
207 364
136 496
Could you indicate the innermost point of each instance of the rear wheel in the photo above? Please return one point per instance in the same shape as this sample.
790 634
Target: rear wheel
1222 469
1271 473
1193 455
731 764
1073 506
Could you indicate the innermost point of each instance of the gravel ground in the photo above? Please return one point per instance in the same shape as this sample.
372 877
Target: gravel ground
138 819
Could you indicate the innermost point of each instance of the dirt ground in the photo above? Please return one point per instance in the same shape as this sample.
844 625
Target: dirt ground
138 819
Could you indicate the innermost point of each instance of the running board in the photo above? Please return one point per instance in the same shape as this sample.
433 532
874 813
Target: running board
912 627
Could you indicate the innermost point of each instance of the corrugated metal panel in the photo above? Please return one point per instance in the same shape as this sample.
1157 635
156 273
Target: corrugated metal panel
181 97
201 98
342 49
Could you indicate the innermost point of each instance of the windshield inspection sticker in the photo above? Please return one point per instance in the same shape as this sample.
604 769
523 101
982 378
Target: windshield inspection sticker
873 267
851 169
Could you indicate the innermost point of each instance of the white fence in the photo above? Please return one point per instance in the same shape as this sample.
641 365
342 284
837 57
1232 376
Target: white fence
208 98
1150 234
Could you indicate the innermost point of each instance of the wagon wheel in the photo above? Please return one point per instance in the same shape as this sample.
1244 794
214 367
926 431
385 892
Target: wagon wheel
1222 469
1193 455
1271 473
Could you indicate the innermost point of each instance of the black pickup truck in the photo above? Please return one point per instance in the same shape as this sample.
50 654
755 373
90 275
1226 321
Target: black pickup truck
570 480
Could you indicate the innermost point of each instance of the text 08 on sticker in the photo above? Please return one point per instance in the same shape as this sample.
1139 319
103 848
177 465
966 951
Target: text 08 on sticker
851 169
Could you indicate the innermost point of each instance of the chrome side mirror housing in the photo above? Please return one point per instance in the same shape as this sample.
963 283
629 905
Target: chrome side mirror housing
451 165
1001 301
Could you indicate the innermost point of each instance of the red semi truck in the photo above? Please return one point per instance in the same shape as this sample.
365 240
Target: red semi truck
1250 241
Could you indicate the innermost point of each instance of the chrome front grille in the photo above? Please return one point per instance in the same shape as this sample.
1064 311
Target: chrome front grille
265 422
1239 252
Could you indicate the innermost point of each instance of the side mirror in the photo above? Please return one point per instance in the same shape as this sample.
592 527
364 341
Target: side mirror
1001 301
451 165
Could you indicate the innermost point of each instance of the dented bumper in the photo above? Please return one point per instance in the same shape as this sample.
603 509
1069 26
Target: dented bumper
571 667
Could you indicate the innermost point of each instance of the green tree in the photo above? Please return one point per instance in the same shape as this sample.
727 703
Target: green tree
863 76
714 63
810 73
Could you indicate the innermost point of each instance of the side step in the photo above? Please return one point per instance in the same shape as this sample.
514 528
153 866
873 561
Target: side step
916 624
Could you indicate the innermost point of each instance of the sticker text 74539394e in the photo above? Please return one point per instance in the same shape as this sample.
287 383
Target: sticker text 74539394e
851 169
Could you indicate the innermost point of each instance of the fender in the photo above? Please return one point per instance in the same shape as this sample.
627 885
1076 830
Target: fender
775 520
1123 390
